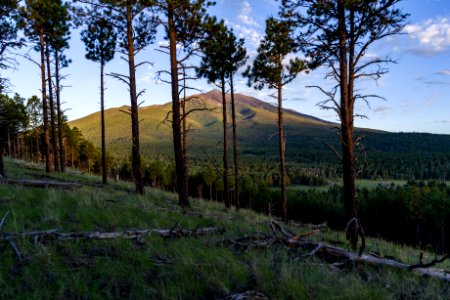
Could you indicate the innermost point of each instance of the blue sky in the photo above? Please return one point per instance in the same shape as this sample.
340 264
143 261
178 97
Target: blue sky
417 88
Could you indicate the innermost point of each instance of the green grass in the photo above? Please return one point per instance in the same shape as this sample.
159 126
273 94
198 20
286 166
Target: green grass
199 268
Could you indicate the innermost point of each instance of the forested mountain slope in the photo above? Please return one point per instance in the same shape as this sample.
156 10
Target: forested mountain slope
417 154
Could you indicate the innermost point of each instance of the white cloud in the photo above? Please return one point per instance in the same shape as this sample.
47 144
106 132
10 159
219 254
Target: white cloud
433 36
244 15
251 36
443 72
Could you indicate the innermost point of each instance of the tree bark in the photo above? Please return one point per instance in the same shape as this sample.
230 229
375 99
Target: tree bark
44 104
346 111
38 150
62 159
9 141
102 111
135 151
52 110
2 164
185 133
282 146
226 188
180 164
235 145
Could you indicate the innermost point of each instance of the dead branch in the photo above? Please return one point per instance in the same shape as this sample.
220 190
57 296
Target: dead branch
124 78
247 295
6 238
257 240
354 228
212 162
198 214
42 184
14 248
311 226
162 260
3 220
430 264
54 235
339 156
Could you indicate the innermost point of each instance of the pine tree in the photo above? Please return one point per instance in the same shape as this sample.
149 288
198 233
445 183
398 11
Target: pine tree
136 29
35 23
34 111
182 21
100 42
8 36
8 41
213 68
13 118
219 43
236 58
60 34
338 34
270 70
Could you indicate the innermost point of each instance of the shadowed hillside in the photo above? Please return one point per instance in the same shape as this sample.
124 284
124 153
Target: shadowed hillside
256 121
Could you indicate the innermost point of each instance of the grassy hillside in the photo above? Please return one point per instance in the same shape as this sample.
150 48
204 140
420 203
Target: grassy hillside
256 121
184 268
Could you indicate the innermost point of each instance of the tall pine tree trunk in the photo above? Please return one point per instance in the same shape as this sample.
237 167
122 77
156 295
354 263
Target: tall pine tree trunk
52 110
9 141
235 145
185 133
226 188
62 158
38 150
346 111
135 151
180 164
282 146
44 103
102 110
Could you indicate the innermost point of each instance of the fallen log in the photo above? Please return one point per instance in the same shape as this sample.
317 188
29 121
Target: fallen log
42 183
336 254
53 234
367 258
371 259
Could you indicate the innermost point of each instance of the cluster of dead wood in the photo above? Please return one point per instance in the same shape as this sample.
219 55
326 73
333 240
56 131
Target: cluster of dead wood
336 256
46 236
